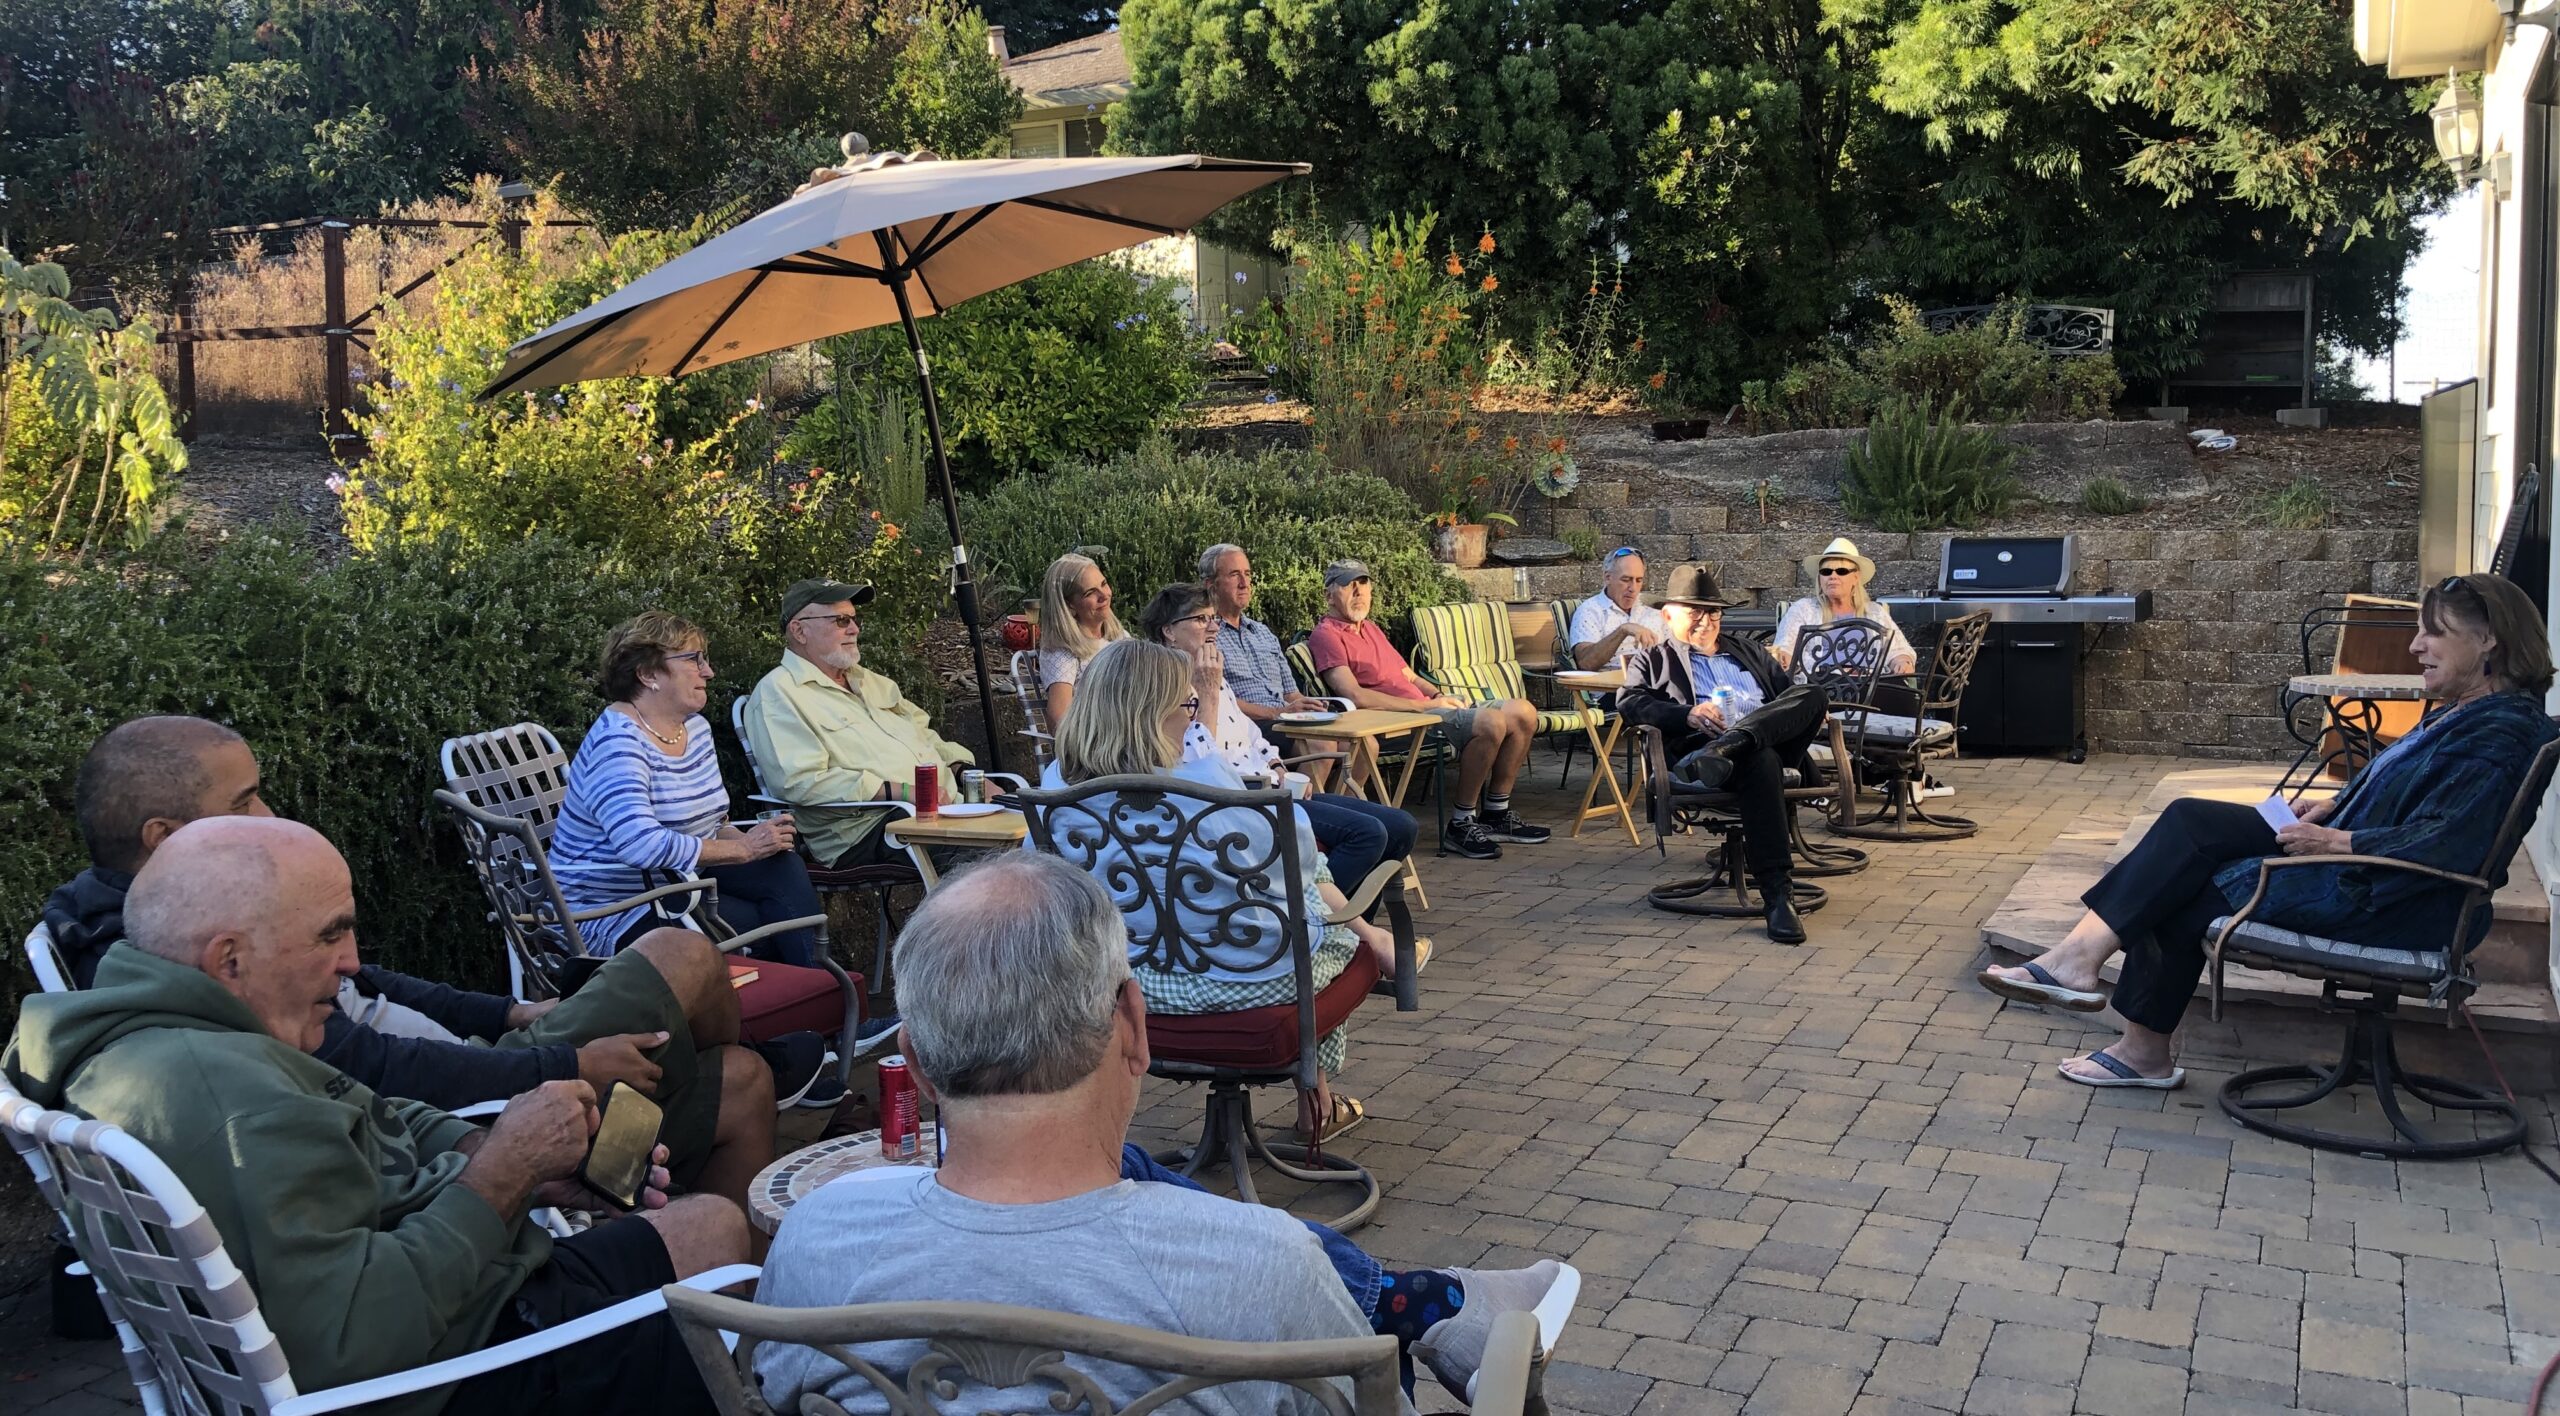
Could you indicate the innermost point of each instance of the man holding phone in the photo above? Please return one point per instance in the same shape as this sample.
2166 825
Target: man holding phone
379 1234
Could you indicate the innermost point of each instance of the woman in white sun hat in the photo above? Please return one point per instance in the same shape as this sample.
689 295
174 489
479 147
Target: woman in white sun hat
1840 573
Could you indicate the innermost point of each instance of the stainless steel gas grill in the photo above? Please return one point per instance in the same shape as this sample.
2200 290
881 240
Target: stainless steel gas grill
2027 689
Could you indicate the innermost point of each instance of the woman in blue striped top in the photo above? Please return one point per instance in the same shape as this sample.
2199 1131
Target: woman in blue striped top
645 803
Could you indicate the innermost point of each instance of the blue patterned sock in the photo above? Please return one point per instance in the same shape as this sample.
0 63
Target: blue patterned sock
1410 1303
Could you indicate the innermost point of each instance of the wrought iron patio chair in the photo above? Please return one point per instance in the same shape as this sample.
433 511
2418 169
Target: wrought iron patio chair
1193 841
1899 747
2379 976
1847 656
194 1342
973 1353
504 788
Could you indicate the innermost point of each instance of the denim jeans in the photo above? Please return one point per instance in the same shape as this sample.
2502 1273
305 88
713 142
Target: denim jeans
1357 834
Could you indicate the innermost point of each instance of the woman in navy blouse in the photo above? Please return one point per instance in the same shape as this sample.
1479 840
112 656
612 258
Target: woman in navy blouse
645 803
2433 798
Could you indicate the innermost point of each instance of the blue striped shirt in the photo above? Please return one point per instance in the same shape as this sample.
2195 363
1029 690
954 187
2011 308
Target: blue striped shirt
1257 667
631 809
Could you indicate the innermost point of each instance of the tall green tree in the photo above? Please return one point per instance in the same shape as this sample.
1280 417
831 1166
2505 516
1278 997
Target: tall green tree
651 112
1037 24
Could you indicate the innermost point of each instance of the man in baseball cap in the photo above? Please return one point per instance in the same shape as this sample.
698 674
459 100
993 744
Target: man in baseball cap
1492 739
825 729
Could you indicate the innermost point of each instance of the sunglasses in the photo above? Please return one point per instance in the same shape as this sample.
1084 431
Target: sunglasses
841 622
1837 570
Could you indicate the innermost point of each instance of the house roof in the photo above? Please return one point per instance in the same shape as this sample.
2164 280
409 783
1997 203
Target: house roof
1088 72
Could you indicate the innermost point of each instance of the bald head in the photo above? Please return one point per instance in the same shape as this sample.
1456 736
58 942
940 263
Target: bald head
148 777
263 906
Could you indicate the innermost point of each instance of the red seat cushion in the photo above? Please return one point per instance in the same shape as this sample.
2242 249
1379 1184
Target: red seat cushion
1259 1039
785 998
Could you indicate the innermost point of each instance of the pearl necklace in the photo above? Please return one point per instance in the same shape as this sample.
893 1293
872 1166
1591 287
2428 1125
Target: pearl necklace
663 739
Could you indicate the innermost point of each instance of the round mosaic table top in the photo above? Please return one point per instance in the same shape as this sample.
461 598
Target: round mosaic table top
789 1180
2387 687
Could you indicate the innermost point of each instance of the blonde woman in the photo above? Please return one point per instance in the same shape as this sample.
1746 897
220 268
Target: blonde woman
1135 705
1075 622
1840 573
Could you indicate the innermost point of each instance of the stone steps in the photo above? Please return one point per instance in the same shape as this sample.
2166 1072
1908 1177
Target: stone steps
2513 961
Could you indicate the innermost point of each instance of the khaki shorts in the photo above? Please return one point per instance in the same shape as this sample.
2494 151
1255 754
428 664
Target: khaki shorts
1458 723
628 995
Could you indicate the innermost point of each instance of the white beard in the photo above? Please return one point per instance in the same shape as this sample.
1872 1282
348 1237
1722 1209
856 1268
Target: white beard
1352 616
842 661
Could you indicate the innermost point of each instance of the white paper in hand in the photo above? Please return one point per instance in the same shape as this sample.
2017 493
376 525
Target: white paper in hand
2277 813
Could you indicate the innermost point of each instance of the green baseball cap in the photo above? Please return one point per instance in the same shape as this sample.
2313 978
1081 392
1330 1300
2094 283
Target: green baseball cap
805 593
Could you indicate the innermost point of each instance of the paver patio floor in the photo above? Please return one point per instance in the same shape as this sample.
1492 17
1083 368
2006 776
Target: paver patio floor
1839 1178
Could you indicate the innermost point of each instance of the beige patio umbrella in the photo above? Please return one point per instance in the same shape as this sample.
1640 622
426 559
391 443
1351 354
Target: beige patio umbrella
894 237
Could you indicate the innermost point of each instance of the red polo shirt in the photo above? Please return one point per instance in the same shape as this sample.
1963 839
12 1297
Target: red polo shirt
1363 648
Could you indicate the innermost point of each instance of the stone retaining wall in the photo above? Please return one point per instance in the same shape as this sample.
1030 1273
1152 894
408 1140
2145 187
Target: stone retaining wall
2199 679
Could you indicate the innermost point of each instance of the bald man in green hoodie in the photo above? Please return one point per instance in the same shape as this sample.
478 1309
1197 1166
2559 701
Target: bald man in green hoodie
377 1234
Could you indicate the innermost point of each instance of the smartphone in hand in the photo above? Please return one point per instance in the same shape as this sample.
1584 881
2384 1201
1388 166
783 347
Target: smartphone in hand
617 1163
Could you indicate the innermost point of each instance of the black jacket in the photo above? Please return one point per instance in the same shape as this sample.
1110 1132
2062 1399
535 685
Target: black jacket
87 915
1660 693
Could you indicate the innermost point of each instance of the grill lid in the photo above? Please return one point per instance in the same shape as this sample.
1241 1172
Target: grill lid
2005 565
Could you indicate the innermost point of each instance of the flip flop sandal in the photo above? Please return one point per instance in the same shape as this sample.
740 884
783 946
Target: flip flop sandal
2122 1074
1385 987
1347 1115
2041 987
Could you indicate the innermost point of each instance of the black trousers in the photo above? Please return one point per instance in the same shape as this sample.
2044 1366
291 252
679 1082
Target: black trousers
2161 900
641 1367
1781 729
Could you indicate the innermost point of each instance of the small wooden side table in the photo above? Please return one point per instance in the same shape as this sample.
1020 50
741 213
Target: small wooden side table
995 831
1587 681
1367 731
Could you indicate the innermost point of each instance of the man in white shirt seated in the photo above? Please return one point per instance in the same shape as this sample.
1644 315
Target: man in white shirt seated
1611 628
1024 1024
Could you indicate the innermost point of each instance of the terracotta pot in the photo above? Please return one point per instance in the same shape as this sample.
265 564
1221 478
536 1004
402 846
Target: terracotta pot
1019 632
1461 545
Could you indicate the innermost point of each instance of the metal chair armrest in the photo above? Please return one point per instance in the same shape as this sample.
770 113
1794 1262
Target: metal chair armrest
907 807
1339 759
1386 883
1510 1365
1357 903
2267 867
708 888
505 1354
762 932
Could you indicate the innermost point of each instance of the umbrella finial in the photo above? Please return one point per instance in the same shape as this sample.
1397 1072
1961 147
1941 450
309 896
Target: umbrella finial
855 146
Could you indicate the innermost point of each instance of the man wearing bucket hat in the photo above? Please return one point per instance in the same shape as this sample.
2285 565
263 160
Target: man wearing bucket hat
1732 722
1491 738
825 729
1840 576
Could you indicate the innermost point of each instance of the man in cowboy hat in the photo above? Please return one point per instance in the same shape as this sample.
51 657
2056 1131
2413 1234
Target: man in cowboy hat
1733 723
826 729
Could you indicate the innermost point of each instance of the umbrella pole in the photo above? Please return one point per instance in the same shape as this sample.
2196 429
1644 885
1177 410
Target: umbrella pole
964 585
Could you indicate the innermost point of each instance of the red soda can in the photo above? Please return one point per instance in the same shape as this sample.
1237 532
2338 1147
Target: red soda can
901 1137
928 789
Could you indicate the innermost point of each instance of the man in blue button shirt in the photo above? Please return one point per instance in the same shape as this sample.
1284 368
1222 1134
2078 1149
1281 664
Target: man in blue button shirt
1733 722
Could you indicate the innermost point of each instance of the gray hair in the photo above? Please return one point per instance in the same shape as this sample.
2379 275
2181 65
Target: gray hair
1210 557
1009 975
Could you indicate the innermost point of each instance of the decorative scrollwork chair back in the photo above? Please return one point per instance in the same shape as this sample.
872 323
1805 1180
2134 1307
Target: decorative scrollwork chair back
1843 658
963 1353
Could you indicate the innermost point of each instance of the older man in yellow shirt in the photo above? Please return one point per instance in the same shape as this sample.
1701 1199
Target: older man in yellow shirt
825 729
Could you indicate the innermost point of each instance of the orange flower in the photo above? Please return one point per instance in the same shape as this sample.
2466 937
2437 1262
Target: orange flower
1658 380
1555 444
1638 346
1325 340
1511 442
1308 419
889 531
1475 433
1386 326
1456 266
1484 243
1489 284
1396 261
1594 290
1396 384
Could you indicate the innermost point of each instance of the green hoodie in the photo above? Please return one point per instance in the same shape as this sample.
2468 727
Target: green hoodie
340 1206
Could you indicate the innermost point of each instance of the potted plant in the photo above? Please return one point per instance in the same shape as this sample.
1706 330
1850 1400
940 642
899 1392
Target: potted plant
1464 524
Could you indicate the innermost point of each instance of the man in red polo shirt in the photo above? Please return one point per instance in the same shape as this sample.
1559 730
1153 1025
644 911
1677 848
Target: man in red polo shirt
1492 739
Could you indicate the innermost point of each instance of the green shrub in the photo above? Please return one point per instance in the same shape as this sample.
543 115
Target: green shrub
345 678
1082 362
1988 364
2105 496
1916 471
1583 541
2303 505
1155 510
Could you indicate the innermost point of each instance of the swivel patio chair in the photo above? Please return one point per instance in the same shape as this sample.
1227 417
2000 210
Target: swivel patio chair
188 1318
1898 747
971 1350
2379 977
1188 838
1846 656
504 788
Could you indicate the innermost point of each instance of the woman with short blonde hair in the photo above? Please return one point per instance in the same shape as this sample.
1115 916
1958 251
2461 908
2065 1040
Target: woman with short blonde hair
1075 622
1136 704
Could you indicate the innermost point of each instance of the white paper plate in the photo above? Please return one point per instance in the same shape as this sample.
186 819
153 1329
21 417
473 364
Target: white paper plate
1310 717
972 808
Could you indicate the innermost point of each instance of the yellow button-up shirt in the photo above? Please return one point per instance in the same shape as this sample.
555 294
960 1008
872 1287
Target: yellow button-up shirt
816 740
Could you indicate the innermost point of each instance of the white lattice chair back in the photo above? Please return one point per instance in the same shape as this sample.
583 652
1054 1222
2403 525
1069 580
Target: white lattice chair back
1027 693
517 771
194 1340
45 957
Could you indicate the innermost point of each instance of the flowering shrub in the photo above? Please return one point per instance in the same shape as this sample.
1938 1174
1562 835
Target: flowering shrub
1155 510
1988 365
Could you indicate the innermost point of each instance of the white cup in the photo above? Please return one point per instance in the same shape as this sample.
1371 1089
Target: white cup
1300 785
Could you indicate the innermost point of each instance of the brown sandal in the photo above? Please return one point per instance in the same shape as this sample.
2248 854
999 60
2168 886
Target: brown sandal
1347 1115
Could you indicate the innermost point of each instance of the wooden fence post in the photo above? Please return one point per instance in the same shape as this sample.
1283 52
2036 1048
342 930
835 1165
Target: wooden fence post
333 271
183 317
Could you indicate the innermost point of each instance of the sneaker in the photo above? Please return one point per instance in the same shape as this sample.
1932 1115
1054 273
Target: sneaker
1506 825
1468 838
800 1069
1453 1348
875 1035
